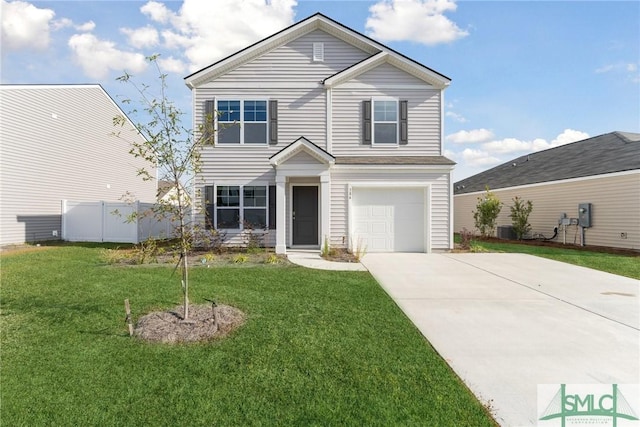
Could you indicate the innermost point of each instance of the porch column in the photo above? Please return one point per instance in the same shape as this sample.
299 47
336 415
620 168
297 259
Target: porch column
325 207
281 244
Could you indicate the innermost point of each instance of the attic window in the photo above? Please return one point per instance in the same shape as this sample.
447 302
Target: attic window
318 52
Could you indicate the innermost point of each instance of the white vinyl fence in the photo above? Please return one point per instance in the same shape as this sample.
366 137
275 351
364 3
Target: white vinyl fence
109 222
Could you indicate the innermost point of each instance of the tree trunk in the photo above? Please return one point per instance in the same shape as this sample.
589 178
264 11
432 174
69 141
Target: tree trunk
185 283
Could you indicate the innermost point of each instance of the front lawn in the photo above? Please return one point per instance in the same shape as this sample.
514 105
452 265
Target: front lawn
318 348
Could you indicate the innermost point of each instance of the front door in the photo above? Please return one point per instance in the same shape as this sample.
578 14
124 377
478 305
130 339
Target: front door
305 215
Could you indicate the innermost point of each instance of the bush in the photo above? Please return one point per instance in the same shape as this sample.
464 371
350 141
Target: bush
520 212
465 239
486 213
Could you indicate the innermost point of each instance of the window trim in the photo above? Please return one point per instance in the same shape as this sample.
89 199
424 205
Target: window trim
241 206
241 123
374 121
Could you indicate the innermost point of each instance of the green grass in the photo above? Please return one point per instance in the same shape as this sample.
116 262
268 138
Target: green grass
318 348
623 265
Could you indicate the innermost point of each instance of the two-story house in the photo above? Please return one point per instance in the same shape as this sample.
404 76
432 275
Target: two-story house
323 133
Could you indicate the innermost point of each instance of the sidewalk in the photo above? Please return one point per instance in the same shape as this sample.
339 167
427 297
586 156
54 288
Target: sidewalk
312 259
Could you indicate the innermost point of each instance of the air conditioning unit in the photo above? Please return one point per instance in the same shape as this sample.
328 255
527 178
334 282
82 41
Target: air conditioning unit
506 232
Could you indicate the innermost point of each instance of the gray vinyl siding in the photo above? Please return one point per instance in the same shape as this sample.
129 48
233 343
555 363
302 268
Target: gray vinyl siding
57 144
293 62
301 112
438 209
615 203
424 113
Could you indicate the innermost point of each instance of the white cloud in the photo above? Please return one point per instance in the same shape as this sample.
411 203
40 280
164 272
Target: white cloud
86 27
25 26
97 57
605 69
450 154
478 158
204 34
455 116
158 12
471 136
628 68
141 37
57 24
507 145
513 145
568 136
171 65
422 21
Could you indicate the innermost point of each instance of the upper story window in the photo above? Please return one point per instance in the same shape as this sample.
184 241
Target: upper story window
242 121
384 122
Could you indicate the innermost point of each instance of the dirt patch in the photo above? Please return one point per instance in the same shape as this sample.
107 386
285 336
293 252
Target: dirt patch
21 248
168 326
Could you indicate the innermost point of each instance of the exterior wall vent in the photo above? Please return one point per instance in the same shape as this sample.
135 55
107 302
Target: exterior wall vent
318 52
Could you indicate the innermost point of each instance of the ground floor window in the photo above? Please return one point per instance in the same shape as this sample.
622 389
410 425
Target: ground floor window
238 207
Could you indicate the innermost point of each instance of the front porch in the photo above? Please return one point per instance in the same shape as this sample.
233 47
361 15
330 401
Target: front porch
303 202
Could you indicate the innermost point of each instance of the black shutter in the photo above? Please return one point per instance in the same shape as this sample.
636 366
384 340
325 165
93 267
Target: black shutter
209 204
209 118
366 122
273 122
272 207
404 131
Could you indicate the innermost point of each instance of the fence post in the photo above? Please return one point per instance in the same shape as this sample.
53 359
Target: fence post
63 223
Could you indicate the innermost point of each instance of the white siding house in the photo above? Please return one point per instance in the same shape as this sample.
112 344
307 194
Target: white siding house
57 144
324 133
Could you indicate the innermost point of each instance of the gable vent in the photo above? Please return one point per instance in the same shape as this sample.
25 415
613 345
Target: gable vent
318 52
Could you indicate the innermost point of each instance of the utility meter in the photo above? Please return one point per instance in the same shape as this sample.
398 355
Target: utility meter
584 215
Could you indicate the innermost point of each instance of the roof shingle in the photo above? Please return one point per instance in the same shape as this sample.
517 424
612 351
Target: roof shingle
608 153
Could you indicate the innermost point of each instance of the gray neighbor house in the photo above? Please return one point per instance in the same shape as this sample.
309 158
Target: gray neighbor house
57 144
323 134
600 174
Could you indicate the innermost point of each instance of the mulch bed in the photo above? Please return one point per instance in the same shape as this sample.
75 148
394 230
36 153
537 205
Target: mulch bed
168 327
559 245
340 255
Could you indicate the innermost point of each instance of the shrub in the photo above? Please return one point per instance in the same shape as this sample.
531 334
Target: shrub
486 213
520 212
465 239
240 259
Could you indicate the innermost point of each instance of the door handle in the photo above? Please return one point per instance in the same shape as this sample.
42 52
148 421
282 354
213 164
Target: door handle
293 216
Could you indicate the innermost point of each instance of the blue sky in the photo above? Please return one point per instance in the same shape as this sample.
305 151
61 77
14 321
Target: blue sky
526 75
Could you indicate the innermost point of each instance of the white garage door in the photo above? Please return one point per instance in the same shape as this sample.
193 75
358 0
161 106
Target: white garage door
389 219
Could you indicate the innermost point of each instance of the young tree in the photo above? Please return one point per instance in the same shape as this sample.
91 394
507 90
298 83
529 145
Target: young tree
175 151
520 211
486 213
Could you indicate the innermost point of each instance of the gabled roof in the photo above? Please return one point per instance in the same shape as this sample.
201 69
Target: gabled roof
608 153
312 23
301 144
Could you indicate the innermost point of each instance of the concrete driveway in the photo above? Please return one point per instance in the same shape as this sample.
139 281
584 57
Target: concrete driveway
508 322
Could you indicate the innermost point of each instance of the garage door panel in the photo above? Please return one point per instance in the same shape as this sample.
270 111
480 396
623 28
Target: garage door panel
389 219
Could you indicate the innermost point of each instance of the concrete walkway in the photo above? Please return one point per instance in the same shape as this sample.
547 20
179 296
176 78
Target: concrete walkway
508 322
312 259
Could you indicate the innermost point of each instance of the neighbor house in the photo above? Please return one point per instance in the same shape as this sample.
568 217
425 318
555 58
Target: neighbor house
323 134
599 174
58 144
